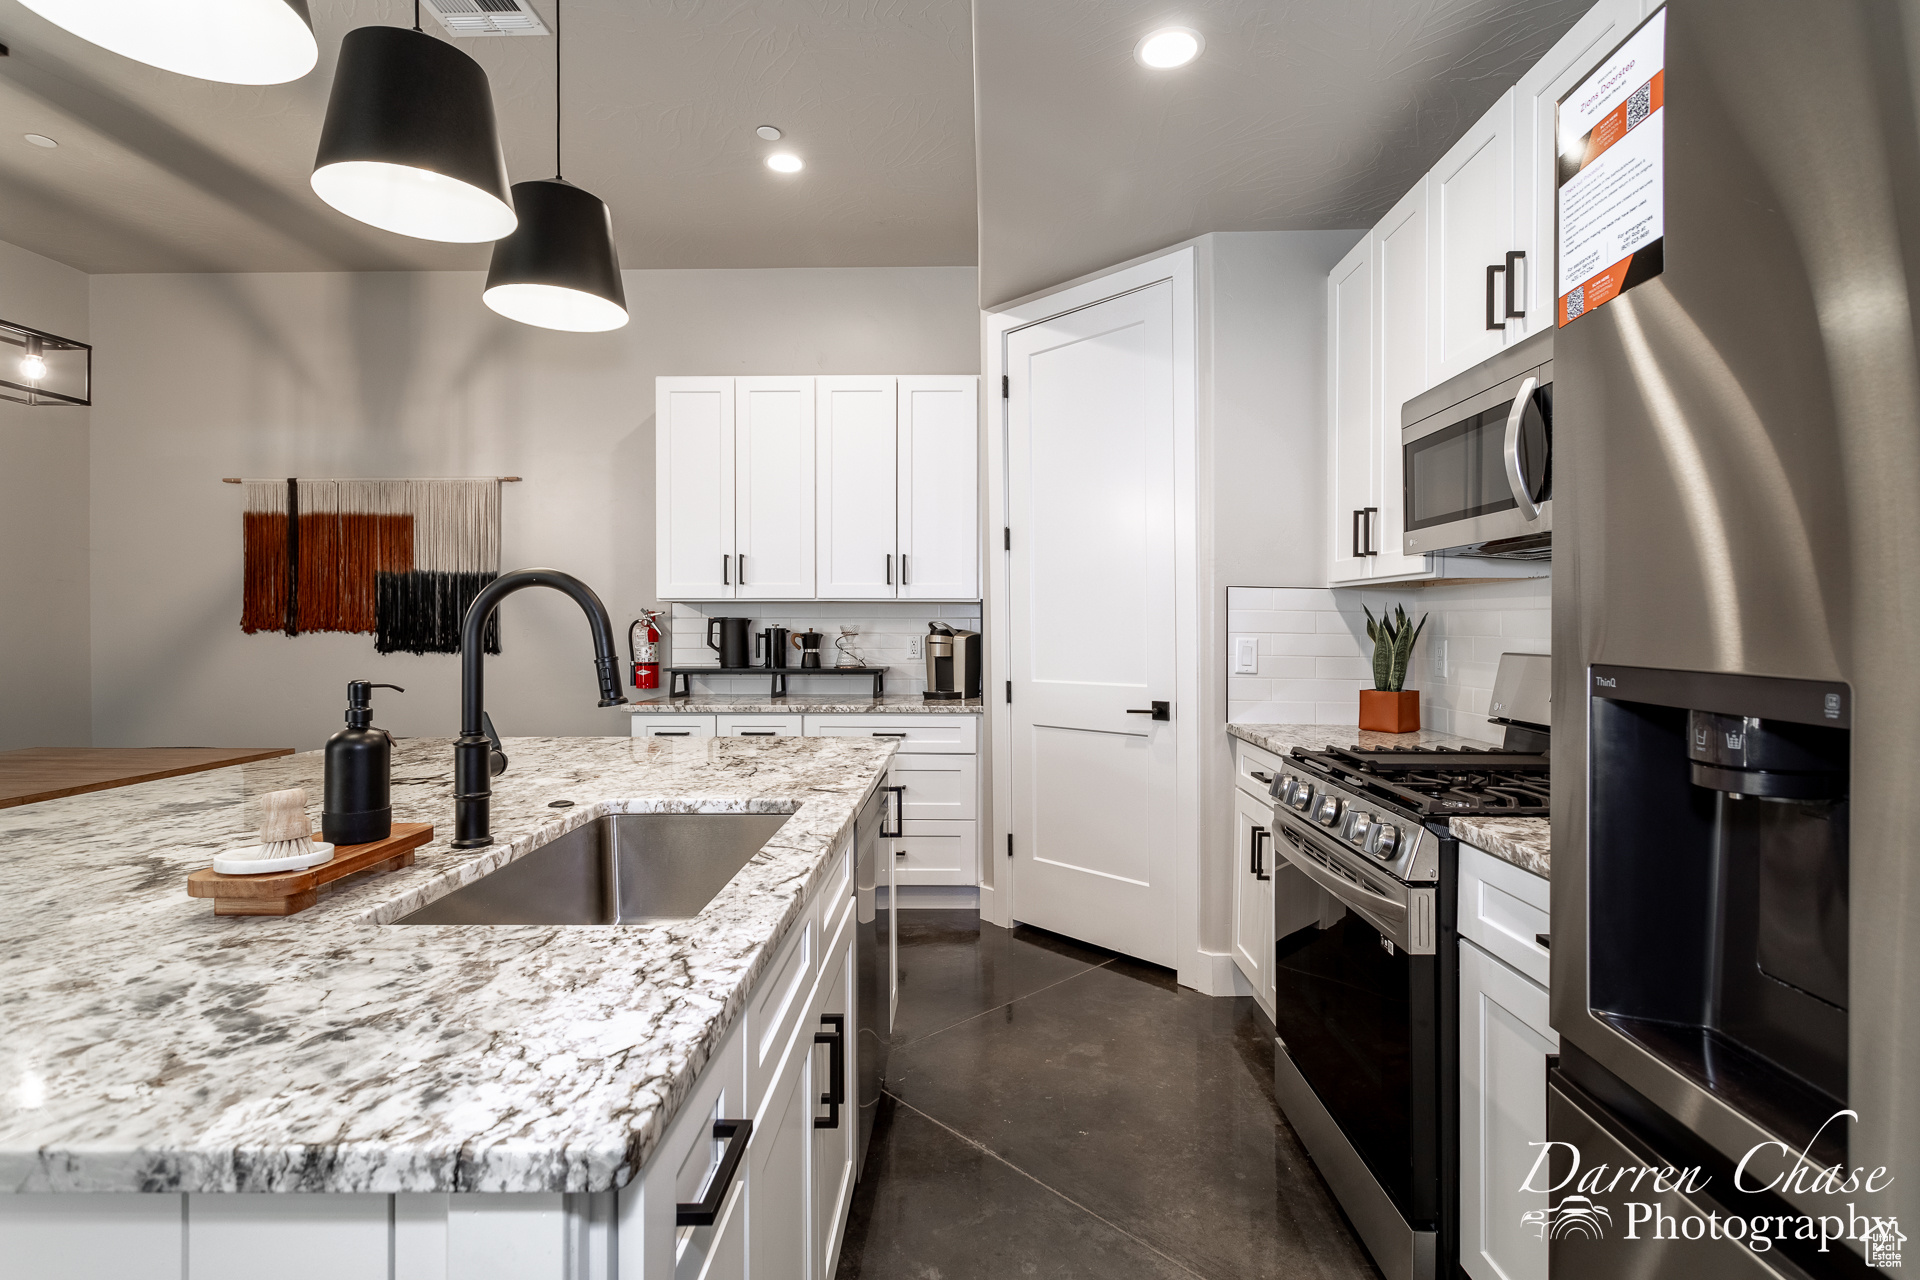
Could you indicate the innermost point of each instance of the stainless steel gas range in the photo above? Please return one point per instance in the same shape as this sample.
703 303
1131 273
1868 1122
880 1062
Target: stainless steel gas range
1366 984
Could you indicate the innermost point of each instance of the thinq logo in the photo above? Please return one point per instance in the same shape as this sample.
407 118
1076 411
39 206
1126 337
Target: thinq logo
1578 1215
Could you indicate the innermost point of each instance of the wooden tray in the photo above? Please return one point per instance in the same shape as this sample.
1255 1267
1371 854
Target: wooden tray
283 893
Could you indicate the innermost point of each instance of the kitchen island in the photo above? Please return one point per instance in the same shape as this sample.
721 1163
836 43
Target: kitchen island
153 1047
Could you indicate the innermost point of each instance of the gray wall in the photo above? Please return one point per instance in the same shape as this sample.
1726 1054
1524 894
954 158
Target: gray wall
43 526
407 374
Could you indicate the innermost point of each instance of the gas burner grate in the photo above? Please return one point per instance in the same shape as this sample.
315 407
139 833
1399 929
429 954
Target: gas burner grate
1443 781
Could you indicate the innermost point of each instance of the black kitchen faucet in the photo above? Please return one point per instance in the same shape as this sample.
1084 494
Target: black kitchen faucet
474 760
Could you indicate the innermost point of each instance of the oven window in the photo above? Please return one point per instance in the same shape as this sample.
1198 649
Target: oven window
1344 1009
1459 471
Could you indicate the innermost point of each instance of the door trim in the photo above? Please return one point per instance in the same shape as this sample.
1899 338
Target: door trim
999 895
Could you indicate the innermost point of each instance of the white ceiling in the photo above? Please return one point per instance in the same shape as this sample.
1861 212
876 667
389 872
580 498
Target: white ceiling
158 172
1300 114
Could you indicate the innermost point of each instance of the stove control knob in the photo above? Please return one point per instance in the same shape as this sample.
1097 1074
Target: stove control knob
1328 811
1355 830
1301 796
1384 842
1278 787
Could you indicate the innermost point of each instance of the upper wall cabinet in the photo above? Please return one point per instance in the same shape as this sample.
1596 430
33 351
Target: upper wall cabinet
1473 254
832 488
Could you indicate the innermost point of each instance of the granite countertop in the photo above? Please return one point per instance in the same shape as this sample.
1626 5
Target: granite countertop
1525 842
153 1046
1283 738
804 703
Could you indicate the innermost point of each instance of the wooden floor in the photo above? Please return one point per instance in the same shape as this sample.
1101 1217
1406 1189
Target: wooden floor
47 773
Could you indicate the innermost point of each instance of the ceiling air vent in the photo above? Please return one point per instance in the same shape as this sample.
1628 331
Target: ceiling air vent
487 17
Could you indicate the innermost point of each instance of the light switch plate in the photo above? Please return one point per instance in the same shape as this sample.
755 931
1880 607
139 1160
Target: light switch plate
1246 655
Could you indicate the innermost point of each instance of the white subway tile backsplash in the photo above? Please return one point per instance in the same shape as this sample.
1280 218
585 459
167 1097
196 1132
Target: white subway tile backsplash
1315 656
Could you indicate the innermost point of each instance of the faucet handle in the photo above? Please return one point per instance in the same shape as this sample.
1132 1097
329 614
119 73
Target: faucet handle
496 758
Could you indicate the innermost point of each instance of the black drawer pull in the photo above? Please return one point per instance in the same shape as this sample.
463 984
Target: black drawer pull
736 1133
1544 941
759 733
673 733
1264 779
836 1042
899 815
889 735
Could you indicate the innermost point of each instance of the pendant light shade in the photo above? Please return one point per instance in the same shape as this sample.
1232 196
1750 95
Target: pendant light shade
559 269
233 41
409 144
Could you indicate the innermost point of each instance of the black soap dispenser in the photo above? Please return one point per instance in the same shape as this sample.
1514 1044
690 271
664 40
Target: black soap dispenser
359 808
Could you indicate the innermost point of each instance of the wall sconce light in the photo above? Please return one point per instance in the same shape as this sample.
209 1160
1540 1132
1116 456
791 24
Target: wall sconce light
42 368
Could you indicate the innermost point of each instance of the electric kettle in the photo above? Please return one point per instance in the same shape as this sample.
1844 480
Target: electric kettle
733 646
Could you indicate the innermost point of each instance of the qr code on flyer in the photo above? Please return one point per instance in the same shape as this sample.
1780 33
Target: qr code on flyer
1637 105
1577 301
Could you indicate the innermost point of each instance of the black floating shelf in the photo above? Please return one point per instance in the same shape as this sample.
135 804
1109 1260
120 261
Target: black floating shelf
680 686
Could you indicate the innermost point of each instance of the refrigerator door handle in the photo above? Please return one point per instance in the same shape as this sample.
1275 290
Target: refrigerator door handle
1515 481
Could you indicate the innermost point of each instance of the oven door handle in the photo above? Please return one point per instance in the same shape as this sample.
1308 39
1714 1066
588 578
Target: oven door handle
1515 481
1389 917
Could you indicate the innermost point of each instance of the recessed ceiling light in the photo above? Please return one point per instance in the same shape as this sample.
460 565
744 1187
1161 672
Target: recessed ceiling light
1169 47
784 162
39 139
768 132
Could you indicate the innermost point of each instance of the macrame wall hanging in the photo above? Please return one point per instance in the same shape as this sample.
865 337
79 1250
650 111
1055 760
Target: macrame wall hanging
397 559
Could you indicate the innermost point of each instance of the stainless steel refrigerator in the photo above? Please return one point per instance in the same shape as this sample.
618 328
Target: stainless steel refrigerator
1736 635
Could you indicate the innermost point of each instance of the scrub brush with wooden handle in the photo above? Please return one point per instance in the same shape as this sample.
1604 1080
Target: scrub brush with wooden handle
284 829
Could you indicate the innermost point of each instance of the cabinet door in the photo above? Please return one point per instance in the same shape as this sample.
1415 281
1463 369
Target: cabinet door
693 488
1504 1043
1400 271
1351 414
833 1146
1253 856
773 486
854 424
1590 39
1470 228
939 490
779 1207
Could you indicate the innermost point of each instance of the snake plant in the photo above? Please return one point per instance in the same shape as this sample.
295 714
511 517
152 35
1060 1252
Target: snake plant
1392 646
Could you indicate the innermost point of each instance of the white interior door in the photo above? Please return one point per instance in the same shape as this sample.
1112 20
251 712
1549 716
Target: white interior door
1091 576
1471 225
773 469
939 488
855 427
1351 418
693 488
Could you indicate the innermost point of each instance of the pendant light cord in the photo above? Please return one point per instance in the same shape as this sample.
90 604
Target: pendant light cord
556 89
416 15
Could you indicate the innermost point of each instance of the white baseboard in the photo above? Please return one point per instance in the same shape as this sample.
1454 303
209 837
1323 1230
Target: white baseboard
993 907
936 897
1213 973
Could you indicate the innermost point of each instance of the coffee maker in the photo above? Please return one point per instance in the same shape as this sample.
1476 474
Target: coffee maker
953 663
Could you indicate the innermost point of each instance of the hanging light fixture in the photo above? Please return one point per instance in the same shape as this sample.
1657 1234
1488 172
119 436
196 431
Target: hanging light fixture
409 144
233 41
559 269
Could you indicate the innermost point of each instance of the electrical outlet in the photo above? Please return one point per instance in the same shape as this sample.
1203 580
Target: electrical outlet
1246 655
913 647
1441 666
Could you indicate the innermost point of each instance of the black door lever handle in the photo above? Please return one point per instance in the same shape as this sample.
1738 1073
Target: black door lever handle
1159 711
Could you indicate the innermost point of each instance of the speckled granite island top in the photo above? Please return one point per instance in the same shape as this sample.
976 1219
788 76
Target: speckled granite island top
152 1046
819 704
1525 842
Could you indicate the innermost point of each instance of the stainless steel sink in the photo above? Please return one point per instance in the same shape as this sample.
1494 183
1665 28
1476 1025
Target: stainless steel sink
623 869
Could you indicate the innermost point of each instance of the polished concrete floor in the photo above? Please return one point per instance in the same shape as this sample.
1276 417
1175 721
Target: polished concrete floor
1054 1110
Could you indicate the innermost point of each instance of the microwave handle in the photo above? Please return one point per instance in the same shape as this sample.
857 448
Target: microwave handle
1515 481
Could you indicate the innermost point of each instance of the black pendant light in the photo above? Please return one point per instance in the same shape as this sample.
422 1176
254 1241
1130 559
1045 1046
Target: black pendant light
232 41
409 144
559 269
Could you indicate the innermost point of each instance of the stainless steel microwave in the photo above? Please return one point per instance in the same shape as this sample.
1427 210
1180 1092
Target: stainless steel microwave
1477 458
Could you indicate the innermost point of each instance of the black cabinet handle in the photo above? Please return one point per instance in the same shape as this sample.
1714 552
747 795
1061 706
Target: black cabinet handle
740 577
1357 553
836 1042
1492 271
673 733
1513 256
889 568
889 735
759 733
903 569
736 1134
1544 941
1264 779
1259 863
726 570
899 811
1159 711
1370 513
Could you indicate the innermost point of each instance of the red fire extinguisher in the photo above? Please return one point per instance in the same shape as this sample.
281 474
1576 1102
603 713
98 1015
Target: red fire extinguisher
645 654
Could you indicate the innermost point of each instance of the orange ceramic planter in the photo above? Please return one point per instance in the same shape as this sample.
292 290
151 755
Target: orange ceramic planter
1385 712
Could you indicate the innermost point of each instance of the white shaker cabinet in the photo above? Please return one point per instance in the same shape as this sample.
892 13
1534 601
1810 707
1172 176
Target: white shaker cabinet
1254 854
773 462
1401 340
1534 99
1354 443
694 468
1470 230
856 427
939 506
